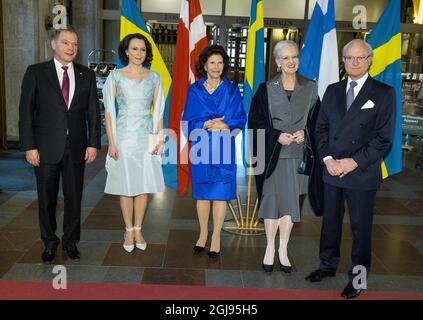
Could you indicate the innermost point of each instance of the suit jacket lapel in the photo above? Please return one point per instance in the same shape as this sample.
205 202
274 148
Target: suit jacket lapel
358 102
54 80
78 79
341 99
299 85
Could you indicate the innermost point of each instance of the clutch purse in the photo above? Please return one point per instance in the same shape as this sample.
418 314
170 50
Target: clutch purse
153 140
306 158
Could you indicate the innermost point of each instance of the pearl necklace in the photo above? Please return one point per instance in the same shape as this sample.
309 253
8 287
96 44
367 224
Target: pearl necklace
212 89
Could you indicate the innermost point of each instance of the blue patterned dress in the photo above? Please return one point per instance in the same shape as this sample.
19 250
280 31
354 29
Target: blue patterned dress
136 171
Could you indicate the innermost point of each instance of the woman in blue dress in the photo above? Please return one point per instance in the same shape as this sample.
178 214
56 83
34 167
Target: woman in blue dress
133 164
215 114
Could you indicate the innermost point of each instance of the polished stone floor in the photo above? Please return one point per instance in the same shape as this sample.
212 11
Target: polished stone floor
171 229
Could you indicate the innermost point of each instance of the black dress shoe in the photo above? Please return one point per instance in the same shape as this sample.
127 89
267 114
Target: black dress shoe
267 267
350 292
72 252
198 249
319 274
213 255
48 255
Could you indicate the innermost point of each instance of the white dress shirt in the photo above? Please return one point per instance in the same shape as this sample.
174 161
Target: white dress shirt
357 88
360 83
71 75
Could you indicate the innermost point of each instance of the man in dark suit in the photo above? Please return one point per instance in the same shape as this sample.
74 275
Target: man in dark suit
353 132
59 127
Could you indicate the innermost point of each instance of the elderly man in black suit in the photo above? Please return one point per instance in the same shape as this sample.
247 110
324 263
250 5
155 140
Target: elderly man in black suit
59 127
353 132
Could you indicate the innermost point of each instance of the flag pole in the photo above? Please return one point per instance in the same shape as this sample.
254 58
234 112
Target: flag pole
254 76
249 225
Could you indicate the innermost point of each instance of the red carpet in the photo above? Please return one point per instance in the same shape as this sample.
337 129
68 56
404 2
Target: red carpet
25 290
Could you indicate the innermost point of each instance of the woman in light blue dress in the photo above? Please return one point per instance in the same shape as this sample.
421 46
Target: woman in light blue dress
135 135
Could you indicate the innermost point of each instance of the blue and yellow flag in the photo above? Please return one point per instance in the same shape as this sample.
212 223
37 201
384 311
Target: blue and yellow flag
254 65
385 39
131 21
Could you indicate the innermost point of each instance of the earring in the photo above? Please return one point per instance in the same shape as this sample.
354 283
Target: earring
279 69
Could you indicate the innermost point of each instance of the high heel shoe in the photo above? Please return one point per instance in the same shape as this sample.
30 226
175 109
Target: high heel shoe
269 256
286 269
128 247
268 268
142 245
198 249
213 255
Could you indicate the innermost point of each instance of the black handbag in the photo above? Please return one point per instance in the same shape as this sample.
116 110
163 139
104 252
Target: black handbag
306 159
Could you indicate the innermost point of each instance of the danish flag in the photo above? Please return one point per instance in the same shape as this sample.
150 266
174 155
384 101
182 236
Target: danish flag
191 40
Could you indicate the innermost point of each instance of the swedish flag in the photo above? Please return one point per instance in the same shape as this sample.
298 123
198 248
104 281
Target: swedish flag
254 65
131 21
385 40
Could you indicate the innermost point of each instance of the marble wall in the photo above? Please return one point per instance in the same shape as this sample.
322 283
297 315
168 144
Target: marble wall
20 49
26 41
86 21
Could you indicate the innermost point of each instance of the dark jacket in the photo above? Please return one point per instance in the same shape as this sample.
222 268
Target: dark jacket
363 133
260 118
45 122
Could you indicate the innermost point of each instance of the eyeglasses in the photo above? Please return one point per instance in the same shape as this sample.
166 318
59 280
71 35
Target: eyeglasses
350 59
286 58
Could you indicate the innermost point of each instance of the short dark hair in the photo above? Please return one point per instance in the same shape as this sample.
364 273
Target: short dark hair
124 45
206 54
55 33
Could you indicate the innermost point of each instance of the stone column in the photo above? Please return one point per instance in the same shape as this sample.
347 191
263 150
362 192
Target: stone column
20 25
26 41
45 9
86 21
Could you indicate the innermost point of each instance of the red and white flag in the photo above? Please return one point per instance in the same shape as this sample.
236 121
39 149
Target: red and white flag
191 40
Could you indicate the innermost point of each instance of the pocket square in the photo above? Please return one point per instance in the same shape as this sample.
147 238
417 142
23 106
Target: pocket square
368 105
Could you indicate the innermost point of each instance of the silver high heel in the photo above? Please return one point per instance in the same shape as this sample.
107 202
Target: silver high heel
143 245
128 247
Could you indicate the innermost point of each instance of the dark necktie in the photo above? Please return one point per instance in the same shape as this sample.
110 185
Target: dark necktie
350 94
65 85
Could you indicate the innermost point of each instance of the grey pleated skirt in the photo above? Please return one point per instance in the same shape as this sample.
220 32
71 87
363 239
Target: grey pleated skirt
281 191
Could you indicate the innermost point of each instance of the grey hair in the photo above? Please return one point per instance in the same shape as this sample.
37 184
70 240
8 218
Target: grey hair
55 33
279 47
362 42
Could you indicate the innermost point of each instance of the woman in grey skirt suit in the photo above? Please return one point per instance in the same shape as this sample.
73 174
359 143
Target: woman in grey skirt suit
281 107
